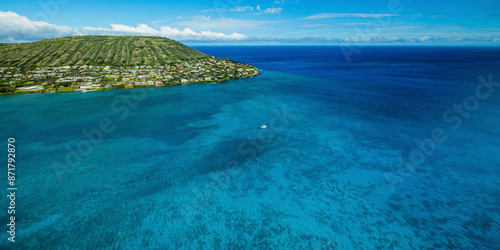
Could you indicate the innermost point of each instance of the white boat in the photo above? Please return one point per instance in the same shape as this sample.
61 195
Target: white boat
263 126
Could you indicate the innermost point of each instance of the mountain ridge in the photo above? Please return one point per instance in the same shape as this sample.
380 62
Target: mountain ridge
97 50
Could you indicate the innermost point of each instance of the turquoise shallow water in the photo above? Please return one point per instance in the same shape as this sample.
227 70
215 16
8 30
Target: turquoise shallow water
188 166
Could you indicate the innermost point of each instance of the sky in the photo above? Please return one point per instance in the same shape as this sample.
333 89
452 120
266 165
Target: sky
243 22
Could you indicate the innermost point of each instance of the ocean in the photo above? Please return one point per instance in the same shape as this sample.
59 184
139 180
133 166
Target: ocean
385 148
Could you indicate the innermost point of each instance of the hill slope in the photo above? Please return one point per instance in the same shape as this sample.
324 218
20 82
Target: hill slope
97 50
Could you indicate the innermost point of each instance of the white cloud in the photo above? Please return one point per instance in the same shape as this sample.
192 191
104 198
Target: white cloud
351 40
16 28
242 8
282 2
425 39
361 15
272 10
124 29
255 10
185 34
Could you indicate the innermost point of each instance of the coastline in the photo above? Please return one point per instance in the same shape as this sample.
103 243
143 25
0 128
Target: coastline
134 87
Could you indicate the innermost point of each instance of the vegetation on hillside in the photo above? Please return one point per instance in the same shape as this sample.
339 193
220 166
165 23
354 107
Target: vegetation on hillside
97 50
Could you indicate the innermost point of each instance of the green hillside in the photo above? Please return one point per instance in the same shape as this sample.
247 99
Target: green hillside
97 50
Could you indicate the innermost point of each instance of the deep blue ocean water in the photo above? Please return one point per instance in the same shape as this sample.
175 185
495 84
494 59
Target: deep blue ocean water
396 149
